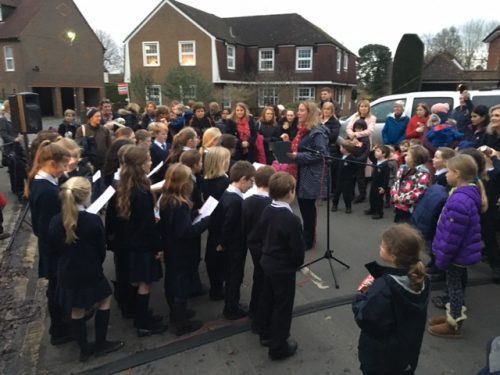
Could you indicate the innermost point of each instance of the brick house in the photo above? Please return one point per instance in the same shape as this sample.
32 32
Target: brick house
279 58
48 47
444 72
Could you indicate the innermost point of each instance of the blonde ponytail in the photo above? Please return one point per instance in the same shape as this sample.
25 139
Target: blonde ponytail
74 192
484 197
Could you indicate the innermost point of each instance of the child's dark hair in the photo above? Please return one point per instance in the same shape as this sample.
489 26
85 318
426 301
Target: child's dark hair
360 124
280 184
228 141
262 176
190 158
241 169
406 244
385 150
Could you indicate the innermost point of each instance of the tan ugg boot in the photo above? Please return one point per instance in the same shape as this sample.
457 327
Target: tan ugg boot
451 328
442 318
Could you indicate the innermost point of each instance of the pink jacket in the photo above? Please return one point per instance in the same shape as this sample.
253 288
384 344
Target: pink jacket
370 123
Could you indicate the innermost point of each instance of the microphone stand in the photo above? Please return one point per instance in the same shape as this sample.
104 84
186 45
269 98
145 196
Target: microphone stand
327 159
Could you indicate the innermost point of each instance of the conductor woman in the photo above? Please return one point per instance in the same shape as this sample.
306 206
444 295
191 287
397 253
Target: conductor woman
310 168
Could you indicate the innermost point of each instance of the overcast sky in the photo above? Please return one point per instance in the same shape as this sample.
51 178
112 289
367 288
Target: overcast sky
353 23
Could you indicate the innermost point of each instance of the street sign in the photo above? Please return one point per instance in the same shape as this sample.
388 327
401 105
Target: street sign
123 89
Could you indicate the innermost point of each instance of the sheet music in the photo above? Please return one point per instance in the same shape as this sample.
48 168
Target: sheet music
99 203
155 169
207 209
96 176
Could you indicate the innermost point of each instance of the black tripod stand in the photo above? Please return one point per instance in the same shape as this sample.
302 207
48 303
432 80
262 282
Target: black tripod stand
327 160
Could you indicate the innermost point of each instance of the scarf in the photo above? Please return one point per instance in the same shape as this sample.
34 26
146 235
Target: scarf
243 128
303 131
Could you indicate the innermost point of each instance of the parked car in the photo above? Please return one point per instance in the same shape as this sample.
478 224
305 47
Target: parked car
383 106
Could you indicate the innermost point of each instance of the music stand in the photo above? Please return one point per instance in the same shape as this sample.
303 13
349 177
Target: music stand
327 160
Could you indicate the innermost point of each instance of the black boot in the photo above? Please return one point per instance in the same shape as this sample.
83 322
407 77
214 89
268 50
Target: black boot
145 325
80 334
103 346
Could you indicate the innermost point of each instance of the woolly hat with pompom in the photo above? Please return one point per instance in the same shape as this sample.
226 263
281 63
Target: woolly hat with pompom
440 107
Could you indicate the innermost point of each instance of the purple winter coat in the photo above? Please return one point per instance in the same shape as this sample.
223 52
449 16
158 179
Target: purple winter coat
458 234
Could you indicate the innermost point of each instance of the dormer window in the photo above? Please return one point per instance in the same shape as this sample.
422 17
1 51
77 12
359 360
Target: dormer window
304 58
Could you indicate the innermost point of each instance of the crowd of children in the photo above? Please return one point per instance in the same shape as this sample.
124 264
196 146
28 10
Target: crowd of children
147 226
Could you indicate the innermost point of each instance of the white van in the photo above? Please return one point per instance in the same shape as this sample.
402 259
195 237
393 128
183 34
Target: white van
384 106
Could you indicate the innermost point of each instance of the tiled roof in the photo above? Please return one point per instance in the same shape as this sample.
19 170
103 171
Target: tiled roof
25 10
262 31
442 67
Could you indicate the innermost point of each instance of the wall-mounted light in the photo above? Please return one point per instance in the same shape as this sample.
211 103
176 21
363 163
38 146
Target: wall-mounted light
36 68
71 35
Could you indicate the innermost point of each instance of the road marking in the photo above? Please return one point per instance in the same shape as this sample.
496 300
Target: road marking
314 278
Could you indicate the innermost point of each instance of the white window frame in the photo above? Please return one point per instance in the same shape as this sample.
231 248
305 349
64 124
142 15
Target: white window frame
298 59
268 93
346 61
231 57
1 13
299 97
146 54
187 54
266 59
10 65
339 60
150 98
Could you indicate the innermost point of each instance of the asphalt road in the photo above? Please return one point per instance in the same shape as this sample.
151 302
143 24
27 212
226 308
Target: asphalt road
324 325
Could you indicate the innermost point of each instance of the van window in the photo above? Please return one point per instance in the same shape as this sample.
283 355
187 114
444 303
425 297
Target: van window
430 101
487 100
383 109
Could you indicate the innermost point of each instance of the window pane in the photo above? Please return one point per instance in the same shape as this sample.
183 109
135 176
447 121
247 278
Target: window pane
266 64
267 54
9 52
304 64
304 53
152 60
187 60
187 48
151 48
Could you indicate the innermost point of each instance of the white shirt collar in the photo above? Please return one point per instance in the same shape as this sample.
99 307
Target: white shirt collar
345 156
159 144
42 175
441 171
262 193
185 148
281 204
234 189
80 207
381 161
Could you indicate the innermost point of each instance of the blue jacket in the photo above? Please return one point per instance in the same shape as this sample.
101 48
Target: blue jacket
443 135
426 213
312 171
394 130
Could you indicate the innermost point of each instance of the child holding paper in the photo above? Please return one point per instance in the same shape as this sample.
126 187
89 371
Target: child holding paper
181 245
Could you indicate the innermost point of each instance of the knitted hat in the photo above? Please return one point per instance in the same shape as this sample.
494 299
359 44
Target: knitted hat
440 107
91 112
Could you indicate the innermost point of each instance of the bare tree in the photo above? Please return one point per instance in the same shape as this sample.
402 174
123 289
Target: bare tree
447 40
113 54
472 34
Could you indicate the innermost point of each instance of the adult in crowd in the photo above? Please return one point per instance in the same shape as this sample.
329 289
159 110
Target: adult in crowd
491 137
149 114
418 123
69 125
241 125
13 154
329 120
288 125
268 127
131 115
201 120
394 130
107 114
462 114
94 139
310 167
326 96
363 113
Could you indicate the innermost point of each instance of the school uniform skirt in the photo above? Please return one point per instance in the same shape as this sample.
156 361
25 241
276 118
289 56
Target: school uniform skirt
83 297
144 267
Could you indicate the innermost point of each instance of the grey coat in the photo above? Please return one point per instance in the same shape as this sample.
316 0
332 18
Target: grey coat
313 172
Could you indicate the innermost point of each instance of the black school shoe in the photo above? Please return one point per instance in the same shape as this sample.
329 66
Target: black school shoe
289 349
152 329
377 216
187 326
235 314
108 347
348 210
368 212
